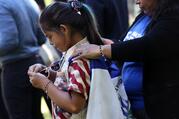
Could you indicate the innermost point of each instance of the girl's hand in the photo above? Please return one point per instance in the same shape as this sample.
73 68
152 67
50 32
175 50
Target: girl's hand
38 80
36 68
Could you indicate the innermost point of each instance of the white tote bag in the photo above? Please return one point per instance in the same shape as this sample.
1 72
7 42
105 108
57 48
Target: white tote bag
103 99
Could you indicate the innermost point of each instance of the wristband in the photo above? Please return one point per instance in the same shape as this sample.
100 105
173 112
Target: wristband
101 51
46 86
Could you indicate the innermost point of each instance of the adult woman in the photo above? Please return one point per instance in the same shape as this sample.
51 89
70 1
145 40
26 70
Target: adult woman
158 50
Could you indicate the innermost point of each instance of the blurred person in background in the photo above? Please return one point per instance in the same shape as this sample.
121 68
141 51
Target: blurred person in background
41 4
111 16
20 39
3 114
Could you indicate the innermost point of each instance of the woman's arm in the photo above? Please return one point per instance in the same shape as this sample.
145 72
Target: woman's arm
160 43
92 51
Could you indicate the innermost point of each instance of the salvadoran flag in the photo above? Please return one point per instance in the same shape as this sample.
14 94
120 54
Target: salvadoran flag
107 98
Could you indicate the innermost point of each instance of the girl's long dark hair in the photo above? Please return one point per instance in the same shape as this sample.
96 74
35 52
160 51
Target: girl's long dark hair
81 21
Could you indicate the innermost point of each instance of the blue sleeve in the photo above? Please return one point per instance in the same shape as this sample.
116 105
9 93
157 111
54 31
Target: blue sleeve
8 31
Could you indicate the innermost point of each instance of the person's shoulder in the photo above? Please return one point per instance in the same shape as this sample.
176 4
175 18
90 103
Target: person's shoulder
82 65
80 62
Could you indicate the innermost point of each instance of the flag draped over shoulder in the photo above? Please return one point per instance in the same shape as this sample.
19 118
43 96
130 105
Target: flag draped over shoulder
107 98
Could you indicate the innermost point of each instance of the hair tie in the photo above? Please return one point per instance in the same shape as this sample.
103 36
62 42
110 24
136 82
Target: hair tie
76 5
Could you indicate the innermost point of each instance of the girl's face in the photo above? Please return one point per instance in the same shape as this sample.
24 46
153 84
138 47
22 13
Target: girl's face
60 39
146 5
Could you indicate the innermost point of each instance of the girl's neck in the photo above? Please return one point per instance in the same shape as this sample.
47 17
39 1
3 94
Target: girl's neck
76 38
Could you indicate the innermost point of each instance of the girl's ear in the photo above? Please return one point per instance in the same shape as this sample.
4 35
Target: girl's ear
63 29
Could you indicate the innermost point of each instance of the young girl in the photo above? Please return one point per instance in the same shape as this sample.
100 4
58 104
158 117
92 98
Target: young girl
67 25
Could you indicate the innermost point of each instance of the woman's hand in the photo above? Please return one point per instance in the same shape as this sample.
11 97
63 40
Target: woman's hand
89 51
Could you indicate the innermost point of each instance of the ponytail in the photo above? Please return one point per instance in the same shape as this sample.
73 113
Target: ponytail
92 31
75 14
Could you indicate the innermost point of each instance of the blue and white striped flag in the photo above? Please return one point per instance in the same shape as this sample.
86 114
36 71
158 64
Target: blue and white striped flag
107 99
